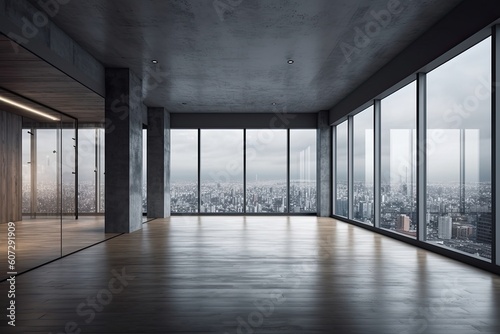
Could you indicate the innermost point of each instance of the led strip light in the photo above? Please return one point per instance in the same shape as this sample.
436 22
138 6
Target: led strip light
22 106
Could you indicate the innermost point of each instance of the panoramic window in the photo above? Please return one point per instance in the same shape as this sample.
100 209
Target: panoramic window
398 162
302 171
266 160
221 171
224 188
363 168
459 153
341 178
184 171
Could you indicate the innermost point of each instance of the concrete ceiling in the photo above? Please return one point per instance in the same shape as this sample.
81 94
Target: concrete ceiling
231 55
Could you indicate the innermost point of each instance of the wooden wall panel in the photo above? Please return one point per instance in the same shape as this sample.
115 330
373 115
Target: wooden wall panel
10 167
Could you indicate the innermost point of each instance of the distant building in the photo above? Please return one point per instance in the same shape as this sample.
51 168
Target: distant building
403 223
462 231
445 226
342 205
484 228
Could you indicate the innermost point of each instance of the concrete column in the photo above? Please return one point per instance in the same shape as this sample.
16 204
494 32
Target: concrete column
158 163
123 152
324 164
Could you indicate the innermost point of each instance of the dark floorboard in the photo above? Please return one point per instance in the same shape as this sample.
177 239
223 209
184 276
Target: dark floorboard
255 275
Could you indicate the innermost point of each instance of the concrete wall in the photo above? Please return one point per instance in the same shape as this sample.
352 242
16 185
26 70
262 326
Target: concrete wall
324 165
31 27
158 163
123 153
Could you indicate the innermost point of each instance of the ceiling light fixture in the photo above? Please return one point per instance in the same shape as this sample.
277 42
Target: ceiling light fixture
290 61
274 103
24 107
154 61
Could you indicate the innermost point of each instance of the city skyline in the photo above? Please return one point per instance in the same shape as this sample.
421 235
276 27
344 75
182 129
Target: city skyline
222 154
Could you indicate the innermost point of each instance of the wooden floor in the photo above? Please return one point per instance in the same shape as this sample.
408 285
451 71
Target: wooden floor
255 275
44 239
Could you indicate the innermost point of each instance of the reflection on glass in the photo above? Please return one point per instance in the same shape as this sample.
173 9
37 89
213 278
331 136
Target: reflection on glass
68 151
27 138
266 155
100 170
459 153
302 171
398 162
221 171
363 166
341 161
87 171
38 235
184 171
47 191
144 171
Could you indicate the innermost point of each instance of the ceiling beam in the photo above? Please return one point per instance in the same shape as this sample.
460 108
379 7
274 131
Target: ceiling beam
33 30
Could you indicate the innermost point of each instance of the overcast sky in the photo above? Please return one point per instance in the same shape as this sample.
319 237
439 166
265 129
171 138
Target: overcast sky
460 84
222 155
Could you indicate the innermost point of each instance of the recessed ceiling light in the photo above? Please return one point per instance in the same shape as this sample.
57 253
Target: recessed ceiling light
274 103
154 61
290 61
24 107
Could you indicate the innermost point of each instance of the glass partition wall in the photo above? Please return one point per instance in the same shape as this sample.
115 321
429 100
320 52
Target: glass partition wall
62 187
450 152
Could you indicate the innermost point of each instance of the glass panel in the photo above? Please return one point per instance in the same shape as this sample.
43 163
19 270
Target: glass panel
48 183
87 171
266 171
38 235
221 171
363 166
100 170
89 228
342 204
302 171
184 171
68 146
72 236
144 171
27 138
459 153
398 162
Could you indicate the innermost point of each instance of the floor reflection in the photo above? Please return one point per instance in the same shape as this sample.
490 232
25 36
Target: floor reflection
262 275
43 239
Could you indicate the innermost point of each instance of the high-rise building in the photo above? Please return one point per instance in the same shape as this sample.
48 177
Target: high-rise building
403 223
484 228
445 226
